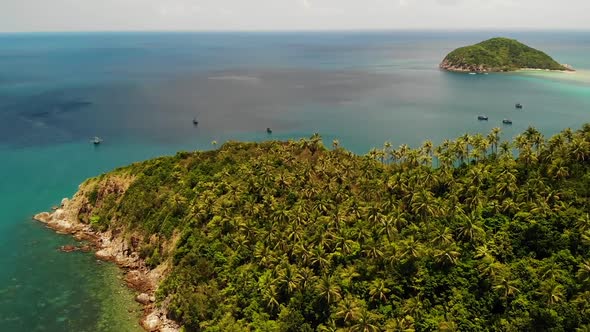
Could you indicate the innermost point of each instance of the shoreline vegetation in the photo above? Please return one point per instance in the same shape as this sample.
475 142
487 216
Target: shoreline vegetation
110 246
500 55
292 236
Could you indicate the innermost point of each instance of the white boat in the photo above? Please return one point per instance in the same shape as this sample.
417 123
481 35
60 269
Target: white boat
96 140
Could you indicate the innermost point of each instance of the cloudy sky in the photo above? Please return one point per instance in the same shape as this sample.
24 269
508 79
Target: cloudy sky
77 15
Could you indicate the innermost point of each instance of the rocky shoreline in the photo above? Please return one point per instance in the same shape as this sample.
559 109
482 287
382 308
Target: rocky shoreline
112 246
446 65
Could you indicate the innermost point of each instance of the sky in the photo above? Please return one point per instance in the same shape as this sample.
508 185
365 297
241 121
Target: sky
198 15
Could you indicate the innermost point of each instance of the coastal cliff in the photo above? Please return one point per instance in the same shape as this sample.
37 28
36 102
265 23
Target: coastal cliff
499 55
114 244
291 236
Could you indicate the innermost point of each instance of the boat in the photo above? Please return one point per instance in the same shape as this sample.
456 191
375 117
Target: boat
519 106
268 131
96 140
472 73
482 117
507 121
195 122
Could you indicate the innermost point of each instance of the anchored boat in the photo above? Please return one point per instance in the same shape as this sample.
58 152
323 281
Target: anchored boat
482 117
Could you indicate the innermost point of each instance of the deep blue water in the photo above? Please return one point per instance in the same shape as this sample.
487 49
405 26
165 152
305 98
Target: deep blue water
140 92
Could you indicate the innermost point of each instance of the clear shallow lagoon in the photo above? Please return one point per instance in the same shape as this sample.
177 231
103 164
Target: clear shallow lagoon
140 92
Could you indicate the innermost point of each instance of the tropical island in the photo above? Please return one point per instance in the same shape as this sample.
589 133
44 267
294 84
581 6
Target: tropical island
499 55
292 236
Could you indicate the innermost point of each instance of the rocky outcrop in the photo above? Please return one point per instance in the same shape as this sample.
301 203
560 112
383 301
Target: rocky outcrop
112 245
144 298
447 65
71 248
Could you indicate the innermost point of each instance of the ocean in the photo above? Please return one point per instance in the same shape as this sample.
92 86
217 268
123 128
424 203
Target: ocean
140 92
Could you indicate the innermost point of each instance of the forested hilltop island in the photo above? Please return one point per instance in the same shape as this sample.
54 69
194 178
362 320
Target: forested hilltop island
499 55
292 236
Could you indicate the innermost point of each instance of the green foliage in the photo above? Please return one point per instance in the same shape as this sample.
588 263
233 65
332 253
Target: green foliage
94 220
289 236
93 195
500 54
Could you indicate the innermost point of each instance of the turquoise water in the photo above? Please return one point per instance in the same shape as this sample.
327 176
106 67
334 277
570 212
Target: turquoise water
140 92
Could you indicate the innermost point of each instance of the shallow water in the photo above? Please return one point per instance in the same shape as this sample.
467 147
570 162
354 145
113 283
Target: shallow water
140 92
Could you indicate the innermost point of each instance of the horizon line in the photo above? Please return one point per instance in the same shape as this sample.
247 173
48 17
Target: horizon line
434 30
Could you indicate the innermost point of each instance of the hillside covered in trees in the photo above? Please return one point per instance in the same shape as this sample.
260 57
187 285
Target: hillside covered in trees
291 236
498 54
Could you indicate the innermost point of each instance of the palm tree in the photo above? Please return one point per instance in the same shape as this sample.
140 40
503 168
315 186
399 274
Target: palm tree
494 139
401 153
315 143
552 291
558 169
506 183
372 251
583 273
378 290
422 203
583 223
387 226
400 324
365 322
505 149
328 289
448 326
444 236
580 149
306 277
347 275
447 255
480 147
505 287
288 278
550 270
426 155
335 144
470 228
412 307
348 309
268 290
489 268
387 150
462 147
411 248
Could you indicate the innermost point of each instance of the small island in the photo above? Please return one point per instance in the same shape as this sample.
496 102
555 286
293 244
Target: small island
499 55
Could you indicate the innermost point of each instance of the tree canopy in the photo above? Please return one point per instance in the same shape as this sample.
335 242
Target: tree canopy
292 236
